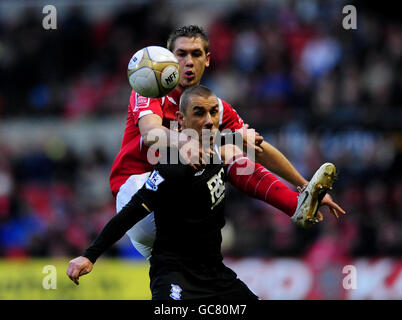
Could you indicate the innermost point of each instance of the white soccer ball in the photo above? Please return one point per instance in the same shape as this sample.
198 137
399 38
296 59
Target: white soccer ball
153 72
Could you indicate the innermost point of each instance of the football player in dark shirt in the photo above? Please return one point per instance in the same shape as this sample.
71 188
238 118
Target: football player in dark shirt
188 204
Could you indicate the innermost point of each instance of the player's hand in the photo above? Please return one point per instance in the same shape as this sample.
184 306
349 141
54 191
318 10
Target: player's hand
251 138
334 208
194 153
78 267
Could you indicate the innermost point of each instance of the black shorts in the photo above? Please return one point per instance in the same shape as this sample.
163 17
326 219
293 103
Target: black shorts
203 283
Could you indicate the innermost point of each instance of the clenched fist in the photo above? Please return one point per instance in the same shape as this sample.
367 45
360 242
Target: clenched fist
78 267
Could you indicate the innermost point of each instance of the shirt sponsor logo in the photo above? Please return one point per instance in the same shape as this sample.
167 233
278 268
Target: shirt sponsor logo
153 181
217 188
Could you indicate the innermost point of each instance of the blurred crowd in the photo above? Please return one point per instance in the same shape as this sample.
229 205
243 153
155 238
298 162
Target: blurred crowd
316 91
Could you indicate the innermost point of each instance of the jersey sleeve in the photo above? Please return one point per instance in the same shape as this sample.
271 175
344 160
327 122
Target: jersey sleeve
115 229
141 106
163 179
230 118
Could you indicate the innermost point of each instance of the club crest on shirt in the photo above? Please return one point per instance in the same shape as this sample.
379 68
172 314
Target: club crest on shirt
175 292
142 102
154 180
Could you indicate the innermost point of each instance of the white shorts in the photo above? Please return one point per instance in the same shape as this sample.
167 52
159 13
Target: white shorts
142 234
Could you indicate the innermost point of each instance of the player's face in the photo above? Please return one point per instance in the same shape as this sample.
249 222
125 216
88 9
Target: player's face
202 113
192 60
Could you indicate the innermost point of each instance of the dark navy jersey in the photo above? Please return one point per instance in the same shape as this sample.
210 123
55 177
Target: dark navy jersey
188 206
186 260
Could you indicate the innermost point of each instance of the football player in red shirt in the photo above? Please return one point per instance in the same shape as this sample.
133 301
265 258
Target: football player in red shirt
132 167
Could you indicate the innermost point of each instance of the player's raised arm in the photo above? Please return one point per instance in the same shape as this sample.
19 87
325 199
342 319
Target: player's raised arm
274 160
152 131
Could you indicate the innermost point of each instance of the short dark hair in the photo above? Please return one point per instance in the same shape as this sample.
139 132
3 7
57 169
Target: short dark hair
197 90
191 31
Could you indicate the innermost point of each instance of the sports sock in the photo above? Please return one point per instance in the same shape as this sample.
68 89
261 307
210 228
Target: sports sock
261 184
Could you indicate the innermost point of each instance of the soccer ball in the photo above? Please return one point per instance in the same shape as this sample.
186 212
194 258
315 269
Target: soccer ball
153 72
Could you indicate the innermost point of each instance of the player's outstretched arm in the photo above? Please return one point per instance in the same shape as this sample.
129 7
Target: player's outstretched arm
114 230
274 160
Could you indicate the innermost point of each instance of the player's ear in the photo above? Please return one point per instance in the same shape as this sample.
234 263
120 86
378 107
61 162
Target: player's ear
180 118
208 57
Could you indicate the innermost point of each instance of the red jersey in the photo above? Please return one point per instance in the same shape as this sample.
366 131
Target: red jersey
132 158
